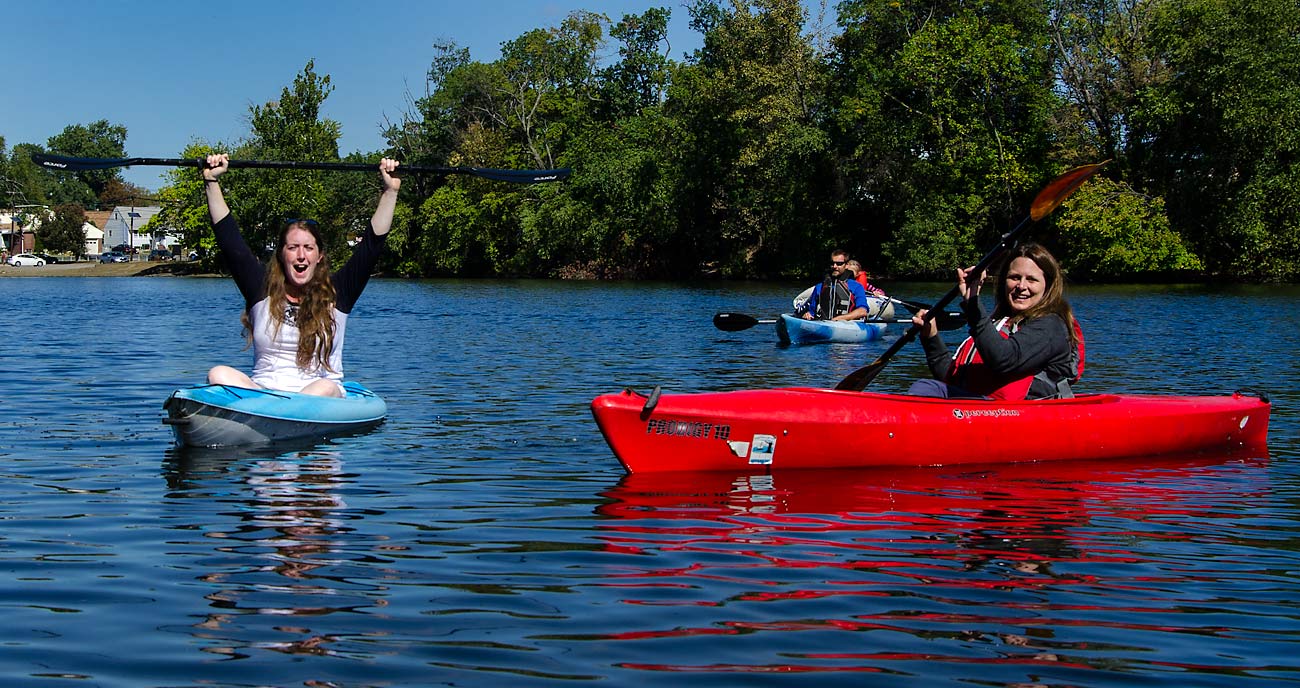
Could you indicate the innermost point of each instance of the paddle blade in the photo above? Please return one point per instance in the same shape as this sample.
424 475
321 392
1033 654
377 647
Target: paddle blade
517 176
950 321
1055 193
734 322
60 162
858 380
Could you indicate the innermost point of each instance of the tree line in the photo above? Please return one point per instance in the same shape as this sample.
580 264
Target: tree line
912 134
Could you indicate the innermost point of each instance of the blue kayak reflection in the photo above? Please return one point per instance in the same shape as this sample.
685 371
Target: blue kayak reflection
279 533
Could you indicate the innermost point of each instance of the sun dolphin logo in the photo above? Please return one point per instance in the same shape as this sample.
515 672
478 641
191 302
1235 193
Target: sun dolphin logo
956 413
51 163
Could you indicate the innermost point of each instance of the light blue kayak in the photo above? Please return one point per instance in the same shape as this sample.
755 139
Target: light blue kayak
791 329
223 416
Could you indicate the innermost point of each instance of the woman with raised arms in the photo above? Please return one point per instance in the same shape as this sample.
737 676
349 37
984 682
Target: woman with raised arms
295 309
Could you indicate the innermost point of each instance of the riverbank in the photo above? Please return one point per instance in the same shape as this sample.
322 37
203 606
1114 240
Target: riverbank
138 268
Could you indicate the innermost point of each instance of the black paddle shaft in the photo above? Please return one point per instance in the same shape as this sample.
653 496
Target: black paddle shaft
69 164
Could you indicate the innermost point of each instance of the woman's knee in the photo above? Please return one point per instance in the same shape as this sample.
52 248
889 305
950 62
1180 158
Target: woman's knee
225 375
929 387
324 388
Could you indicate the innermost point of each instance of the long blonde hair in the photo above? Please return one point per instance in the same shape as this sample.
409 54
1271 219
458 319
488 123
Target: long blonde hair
315 314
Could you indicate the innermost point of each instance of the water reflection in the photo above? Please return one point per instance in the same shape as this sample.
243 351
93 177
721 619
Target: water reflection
485 535
276 524
1010 565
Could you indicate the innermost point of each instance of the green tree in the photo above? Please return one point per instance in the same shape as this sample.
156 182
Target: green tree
428 131
1225 143
755 162
943 114
184 205
98 139
615 217
618 215
546 76
639 79
1106 62
64 232
23 183
1107 231
518 111
290 128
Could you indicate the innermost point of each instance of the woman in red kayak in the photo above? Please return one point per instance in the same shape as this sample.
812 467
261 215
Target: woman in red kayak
1023 351
295 310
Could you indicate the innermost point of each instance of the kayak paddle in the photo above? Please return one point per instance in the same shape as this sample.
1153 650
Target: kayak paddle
735 322
1044 203
60 162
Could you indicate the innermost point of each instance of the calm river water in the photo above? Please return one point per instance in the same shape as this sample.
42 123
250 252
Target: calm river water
485 535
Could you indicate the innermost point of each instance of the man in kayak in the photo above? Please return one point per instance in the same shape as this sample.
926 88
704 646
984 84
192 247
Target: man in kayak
838 297
295 310
1023 351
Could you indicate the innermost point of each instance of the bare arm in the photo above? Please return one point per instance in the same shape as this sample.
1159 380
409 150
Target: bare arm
218 164
383 218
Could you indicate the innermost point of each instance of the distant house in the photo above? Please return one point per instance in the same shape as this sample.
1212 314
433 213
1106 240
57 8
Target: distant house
123 227
94 239
95 220
18 236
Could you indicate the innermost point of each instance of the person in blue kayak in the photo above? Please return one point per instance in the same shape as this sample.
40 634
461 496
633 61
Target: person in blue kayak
295 309
854 269
1030 348
838 297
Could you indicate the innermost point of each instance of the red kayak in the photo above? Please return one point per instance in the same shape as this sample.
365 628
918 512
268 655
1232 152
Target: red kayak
823 428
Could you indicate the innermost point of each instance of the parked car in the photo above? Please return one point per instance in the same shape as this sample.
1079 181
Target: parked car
26 259
112 257
160 254
125 250
49 259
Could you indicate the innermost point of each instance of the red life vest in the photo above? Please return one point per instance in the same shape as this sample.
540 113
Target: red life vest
969 372
871 289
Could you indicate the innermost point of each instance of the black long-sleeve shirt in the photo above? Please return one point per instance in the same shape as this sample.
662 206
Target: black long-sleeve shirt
1037 345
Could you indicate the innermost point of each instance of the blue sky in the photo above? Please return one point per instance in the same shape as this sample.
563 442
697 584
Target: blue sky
176 71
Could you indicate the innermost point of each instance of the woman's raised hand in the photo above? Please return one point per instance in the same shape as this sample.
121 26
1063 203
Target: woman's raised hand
386 168
217 165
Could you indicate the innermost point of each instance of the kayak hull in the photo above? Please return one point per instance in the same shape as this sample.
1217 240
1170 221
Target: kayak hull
224 416
795 330
822 428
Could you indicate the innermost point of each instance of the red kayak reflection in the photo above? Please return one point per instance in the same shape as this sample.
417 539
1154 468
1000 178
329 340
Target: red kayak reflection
909 494
902 550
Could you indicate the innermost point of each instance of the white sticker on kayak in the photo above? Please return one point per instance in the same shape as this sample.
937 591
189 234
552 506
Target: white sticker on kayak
764 446
740 449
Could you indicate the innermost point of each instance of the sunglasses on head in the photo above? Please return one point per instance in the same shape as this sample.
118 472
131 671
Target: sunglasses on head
294 220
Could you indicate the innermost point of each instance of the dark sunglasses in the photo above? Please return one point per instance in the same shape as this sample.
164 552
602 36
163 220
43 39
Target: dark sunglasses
293 220
838 262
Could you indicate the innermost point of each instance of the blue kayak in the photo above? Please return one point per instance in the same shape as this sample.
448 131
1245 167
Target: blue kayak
223 416
791 329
